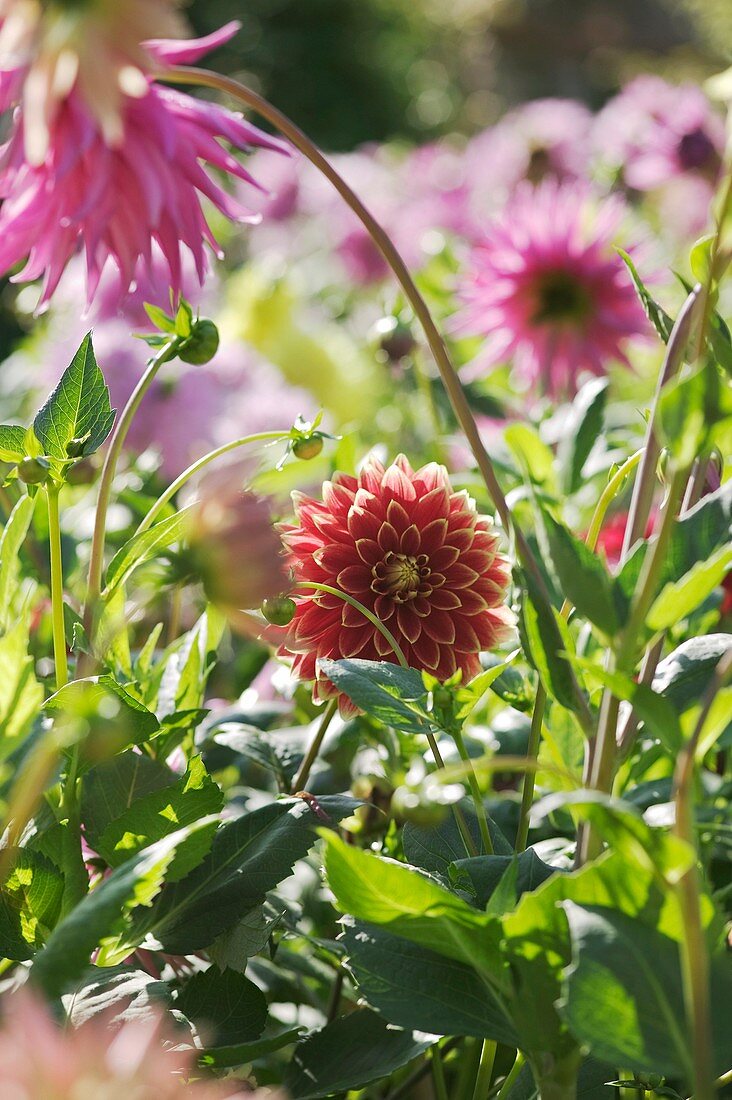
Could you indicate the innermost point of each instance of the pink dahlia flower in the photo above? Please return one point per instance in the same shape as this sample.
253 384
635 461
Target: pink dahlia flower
114 200
141 1058
654 133
413 552
547 290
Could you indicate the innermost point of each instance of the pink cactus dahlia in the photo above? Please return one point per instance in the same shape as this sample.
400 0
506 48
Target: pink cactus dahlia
413 552
115 197
547 290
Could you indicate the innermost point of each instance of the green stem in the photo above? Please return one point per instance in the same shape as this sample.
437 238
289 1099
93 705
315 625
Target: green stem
57 588
457 736
438 1074
300 780
114 450
383 630
180 481
529 782
485 1070
694 950
510 1080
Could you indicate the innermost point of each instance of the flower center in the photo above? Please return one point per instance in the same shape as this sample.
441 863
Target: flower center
560 297
401 576
696 150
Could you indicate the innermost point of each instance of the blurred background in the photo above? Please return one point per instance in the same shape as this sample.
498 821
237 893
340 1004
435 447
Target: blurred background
354 71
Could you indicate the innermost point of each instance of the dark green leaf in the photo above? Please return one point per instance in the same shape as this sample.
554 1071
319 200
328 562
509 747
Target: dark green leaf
418 989
78 412
110 788
584 579
683 677
483 874
351 1052
225 1005
657 712
545 643
120 992
249 857
390 694
435 848
581 432
244 1053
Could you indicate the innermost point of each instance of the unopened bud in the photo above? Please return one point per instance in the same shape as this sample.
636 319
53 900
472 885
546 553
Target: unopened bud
34 471
201 346
308 447
395 339
279 610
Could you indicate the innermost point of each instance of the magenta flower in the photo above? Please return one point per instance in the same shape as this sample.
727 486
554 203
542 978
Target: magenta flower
116 201
654 133
547 291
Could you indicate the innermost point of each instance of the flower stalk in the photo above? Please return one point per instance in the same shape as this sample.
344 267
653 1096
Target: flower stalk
57 587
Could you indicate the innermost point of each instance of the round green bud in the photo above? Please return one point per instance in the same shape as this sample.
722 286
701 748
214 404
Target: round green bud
279 610
308 447
34 471
201 346
75 447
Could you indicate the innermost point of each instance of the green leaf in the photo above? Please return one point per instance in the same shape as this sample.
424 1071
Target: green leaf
584 579
658 317
390 694
404 901
483 875
581 432
119 992
545 644
12 443
471 694
78 414
159 318
102 918
434 848
111 787
685 415
244 1053
247 938
101 715
624 993
350 1053
21 696
417 989
11 541
683 677
679 598
30 903
659 715
162 812
699 533
228 1007
144 546
532 454
249 857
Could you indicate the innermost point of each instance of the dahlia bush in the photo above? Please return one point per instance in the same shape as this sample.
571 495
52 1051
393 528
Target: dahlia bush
365 606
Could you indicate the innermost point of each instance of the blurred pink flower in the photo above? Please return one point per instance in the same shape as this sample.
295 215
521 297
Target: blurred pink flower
657 135
139 1059
546 290
114 201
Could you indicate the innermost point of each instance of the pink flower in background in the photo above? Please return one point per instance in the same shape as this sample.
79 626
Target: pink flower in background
655 132
547 291
413 552
138 1059
116 201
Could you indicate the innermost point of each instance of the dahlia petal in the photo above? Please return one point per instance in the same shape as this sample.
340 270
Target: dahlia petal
445 600
409 623
190 50
443 558
440 627
466 639
462 576
410 542
397 482
368 551
433 536
354 579
427 652
388 538
434 505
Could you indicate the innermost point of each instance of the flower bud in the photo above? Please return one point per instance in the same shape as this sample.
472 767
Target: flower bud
75 447
201 346
308 447
279 610
82 472
395 339
34 471
408 804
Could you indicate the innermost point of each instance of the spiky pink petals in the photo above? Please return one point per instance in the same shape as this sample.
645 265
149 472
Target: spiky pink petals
116 200
411 551
547 291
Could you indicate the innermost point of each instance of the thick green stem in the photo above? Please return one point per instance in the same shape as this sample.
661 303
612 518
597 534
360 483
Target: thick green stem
694 950
485 1070
300 780
114 450
57 588
475 791
193 469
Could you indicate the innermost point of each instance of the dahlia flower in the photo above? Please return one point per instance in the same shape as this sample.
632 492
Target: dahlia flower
114 197
413 552
547 291
139 1059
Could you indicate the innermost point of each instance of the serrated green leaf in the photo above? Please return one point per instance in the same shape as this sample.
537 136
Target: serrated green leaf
78 409
226 1006
662 323
111 787
12 443
30 903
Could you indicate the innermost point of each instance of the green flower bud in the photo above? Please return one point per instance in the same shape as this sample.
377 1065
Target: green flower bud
279 610
308 447
201 346
75 447
34 471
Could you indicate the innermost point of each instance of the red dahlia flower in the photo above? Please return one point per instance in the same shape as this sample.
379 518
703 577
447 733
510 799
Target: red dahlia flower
413 552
